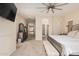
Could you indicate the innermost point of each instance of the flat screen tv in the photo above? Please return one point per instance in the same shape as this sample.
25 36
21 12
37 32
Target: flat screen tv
8 11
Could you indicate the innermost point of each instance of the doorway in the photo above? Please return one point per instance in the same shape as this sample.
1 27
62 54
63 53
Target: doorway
45 28
31 29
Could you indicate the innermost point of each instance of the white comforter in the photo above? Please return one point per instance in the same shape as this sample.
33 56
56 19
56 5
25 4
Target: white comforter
69 44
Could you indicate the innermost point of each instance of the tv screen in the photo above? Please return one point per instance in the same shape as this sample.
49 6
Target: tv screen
8 11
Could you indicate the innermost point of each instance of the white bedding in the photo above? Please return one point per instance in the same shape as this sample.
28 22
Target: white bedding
69 44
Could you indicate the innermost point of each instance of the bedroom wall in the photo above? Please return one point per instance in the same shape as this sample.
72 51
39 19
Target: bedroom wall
38 35
74 16
8 34
39 20
58 24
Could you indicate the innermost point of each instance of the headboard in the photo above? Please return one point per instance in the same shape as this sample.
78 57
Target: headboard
75 27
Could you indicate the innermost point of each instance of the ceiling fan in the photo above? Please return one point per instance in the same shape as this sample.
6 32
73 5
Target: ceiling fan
52 6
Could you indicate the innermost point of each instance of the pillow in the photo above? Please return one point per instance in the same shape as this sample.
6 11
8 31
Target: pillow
77 35
72 33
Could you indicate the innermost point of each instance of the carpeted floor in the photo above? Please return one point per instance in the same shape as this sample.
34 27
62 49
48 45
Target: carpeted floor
31 48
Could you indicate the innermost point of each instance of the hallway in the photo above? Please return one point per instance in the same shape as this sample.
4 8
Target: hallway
31 48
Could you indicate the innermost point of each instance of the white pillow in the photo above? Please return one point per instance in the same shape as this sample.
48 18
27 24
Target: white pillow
77 35
72 33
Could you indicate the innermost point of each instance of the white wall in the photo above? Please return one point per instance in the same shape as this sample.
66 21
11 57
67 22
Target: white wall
50 18
58 24
8 33
7 36
74 16
39 20
38 35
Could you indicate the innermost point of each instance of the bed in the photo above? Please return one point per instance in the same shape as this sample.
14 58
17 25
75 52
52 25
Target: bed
65 44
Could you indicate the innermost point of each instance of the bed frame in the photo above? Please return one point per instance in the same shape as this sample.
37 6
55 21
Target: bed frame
58 45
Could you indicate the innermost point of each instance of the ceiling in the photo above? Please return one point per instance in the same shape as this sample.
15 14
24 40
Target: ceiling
31 9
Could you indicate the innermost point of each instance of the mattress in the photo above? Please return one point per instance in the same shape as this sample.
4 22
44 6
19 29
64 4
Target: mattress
64 44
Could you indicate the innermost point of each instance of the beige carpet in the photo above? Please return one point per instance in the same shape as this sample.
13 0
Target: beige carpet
31 48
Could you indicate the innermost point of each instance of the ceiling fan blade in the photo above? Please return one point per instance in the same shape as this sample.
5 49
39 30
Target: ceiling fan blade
61 4
45 4
58 8
52 10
